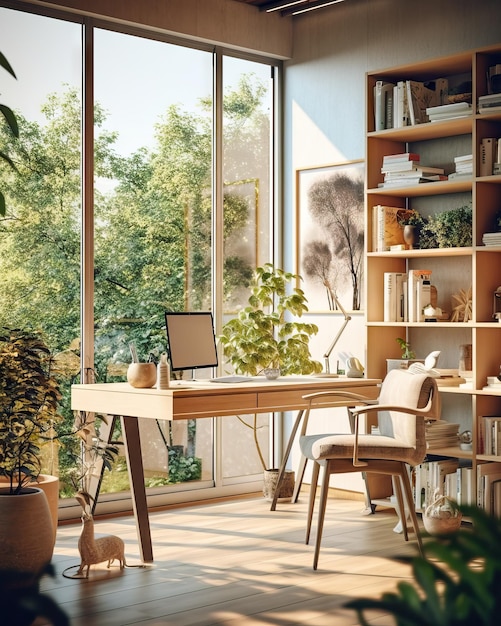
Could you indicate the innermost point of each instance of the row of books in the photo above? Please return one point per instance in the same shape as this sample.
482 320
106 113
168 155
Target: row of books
490 156
452 111
405 169
404 103
489 441
406 295
451 477
454 478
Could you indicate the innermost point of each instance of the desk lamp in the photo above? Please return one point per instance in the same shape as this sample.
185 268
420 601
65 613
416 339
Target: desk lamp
327 354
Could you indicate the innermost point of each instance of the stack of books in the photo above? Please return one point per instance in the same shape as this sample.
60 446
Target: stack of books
402 170
445 112
441 434
464 167
491 239
490 103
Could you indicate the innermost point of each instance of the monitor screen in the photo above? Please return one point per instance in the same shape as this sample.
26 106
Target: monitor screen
191 343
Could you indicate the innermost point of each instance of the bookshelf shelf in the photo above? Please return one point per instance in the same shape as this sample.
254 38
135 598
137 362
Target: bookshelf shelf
476 266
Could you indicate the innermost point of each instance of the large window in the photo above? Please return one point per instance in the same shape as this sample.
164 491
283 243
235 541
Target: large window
155 196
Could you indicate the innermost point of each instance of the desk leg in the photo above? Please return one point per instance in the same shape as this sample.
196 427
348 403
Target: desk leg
132 441
285 459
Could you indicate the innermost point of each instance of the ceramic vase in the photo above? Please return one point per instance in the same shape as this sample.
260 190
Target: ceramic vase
26 532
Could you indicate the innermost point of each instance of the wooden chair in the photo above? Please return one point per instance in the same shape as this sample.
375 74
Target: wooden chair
405 401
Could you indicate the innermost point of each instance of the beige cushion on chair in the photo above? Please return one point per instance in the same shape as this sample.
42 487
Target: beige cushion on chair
401 436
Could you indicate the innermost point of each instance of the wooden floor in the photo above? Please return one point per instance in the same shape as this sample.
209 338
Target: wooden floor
235 563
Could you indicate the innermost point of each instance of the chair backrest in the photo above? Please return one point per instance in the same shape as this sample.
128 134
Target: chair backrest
401 388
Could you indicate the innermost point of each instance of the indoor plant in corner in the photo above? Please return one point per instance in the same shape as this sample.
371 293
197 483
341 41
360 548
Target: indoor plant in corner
266 335
29 400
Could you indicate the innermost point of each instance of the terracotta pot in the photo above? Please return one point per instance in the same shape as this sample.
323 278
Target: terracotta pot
26 533
50 486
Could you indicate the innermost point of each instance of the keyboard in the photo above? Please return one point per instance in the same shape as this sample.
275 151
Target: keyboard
233 378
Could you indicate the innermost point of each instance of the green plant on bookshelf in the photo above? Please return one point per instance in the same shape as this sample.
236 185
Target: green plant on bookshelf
405 346
410 217
448 229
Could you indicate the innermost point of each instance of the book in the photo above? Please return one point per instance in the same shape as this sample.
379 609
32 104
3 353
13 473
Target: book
411 180
487 110
420 96
393 297
447 109
487 473
402 156
487 150
383 105
411 166
415 279
387 230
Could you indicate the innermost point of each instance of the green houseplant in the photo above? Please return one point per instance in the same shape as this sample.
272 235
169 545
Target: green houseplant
29 399
265 334
456 583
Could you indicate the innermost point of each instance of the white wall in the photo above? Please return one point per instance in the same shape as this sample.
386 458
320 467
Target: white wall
324 102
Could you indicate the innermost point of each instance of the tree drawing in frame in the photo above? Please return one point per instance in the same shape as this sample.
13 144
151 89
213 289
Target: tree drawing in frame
330 239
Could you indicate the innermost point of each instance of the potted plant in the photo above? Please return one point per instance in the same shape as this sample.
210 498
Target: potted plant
29 400
411 222
407 358
266 336
456 582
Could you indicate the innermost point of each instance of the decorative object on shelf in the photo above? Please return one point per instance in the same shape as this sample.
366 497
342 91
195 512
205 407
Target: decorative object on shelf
428 367
354 369
462 312
442 516
465 359
412 223
94 550
330 234
405 346
466 440
411 236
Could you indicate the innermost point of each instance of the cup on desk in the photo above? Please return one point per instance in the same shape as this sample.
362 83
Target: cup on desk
142 375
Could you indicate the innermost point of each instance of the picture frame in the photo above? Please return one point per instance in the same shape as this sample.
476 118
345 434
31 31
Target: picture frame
330 235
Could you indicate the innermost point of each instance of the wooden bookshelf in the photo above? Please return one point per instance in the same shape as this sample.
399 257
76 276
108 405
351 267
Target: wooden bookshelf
477 266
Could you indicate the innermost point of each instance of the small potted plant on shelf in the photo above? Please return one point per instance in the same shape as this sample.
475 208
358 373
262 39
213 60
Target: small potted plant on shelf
408 357
29 402
267 335
411 222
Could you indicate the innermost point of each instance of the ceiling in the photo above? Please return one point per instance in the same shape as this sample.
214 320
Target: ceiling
289 7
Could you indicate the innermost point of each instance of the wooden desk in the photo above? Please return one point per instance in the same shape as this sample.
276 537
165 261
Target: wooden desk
194 400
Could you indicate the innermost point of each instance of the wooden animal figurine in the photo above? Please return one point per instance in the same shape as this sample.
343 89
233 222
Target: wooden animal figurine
93 549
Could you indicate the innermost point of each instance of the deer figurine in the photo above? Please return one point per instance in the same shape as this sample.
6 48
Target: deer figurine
93 549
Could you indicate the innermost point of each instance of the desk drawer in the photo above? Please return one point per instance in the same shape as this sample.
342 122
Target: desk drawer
292 399
207 406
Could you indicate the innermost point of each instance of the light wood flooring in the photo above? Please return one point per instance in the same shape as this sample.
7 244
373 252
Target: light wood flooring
235 563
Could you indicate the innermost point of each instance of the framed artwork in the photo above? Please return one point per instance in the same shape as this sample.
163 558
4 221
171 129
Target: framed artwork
330 235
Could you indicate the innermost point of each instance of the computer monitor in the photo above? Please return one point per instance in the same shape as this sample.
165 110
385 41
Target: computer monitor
191 343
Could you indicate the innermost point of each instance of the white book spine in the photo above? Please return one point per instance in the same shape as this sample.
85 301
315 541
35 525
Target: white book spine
487 148
390 293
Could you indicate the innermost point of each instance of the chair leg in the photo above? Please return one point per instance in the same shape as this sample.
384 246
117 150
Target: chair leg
299 479
402 514
311 500
406 484
321 511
